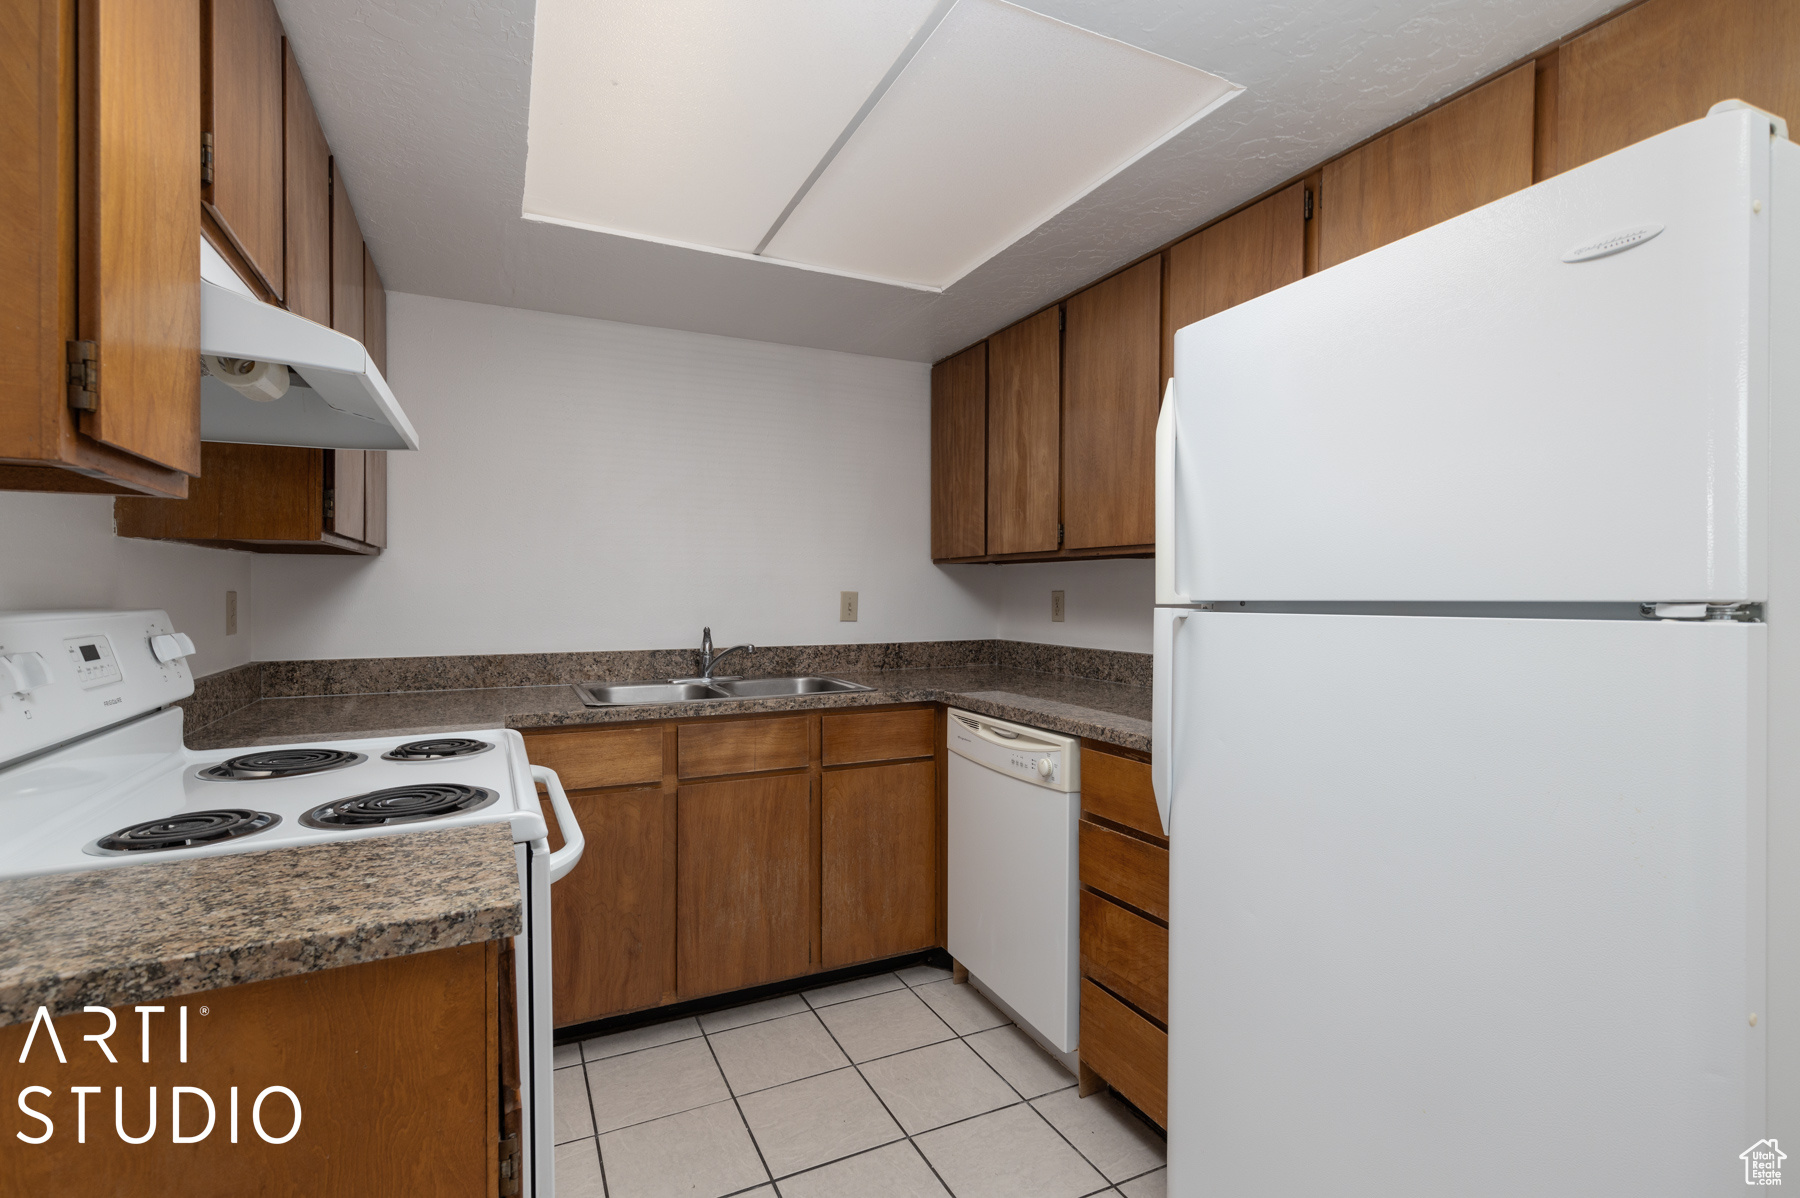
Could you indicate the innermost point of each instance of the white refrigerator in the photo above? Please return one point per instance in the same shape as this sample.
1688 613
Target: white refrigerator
1477 698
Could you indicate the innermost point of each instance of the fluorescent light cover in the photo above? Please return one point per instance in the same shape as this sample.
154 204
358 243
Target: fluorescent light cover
1002 120
905 141
696 121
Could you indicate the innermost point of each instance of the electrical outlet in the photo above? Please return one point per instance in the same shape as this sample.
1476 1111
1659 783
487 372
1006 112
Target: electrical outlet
847 605
1056 607
230 613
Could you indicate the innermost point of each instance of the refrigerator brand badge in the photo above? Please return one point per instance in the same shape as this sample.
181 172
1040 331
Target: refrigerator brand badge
1612 244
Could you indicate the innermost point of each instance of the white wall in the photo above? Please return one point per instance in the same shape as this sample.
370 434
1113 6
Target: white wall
1106 603
592 485
59 551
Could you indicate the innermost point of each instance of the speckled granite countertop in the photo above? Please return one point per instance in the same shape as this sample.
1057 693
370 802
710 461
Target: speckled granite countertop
1104 711
144 932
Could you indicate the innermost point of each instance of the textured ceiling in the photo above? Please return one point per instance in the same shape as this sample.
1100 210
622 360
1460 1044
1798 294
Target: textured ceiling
425 104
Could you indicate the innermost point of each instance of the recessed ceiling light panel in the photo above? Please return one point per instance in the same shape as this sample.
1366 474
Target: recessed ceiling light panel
906 141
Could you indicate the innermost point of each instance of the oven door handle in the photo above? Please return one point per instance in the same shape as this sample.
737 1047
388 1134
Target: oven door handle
562 860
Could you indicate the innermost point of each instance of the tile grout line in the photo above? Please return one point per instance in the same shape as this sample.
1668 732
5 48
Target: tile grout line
768 1173
587 1088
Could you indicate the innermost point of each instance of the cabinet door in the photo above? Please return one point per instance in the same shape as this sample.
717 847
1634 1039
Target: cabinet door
611 929
375 483
1241 257
1024 410
139 265
959 395
308 189
346 486
744 881
1474 149
346 260
374 313
241 103
878 862
1112 359
1666 62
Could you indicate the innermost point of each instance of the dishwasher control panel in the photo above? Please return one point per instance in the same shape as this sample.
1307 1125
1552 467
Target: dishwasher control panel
1044 758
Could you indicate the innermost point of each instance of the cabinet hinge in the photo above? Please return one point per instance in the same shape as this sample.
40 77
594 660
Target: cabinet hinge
84 376
509 1166
330 504
1059 534
206 159
1307 203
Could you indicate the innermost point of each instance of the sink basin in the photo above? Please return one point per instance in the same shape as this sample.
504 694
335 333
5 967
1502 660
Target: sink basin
805 684
626 694
596 694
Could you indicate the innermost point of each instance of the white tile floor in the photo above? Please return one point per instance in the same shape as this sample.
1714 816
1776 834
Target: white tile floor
900 1085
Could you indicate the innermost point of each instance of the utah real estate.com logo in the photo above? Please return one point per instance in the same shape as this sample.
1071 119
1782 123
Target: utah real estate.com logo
1762 1163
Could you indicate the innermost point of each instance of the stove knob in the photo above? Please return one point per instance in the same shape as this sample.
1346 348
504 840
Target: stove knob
171 647
24 672
1046 767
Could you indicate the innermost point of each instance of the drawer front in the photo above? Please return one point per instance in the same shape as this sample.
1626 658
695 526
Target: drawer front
1126 1049
1126 953
879 735
1118 789
601 756
1130 870
741 746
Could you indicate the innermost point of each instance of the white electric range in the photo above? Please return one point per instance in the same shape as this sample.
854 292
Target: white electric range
94 775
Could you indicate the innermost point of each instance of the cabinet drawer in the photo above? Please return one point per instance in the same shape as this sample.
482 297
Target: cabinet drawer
1126 953
1131 870
879 735
742 746
1118 789
600 757
1126 1049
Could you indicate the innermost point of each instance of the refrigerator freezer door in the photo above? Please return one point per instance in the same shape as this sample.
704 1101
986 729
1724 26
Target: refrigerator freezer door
1464 415
1466 907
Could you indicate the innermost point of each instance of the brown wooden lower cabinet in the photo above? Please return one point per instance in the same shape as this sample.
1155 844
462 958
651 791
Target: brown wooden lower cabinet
396 1063
270 499
878 862
1126 953
744 881
721 854
611 919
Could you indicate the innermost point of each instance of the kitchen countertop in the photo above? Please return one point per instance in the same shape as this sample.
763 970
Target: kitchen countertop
1104 711
139 933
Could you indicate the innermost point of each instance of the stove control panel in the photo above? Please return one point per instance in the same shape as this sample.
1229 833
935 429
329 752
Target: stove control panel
66 674
93 661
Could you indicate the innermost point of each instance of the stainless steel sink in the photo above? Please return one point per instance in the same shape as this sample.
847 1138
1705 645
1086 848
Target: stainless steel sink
805 684
628 694
597 694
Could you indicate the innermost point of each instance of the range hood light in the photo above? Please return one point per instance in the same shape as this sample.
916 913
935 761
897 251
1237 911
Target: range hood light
262 381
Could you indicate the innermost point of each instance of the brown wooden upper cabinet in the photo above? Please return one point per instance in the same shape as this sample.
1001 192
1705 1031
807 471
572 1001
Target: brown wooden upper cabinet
1239 258
1666 62
1470 152
308 192
242 69
959 397
99 289
1112 375
1023 434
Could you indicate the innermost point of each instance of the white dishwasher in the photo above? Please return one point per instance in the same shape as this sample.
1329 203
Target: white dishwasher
1015 797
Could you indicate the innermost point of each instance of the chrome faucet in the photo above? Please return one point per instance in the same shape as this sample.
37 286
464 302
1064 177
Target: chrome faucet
709 661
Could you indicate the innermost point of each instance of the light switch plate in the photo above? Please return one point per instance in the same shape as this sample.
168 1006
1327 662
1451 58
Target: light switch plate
846 606
230 613
1056 607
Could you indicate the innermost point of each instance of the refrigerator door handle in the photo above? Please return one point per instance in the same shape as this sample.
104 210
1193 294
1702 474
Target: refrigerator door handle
1162 712
1165 500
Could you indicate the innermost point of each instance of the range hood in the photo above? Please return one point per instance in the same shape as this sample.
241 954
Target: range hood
291 381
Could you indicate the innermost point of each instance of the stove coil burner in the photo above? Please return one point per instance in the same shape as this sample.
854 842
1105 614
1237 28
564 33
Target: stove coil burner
188 831
437 750
399 805
281 763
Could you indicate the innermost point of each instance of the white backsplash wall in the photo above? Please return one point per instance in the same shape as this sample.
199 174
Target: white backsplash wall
591 485
59 551
1106 603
